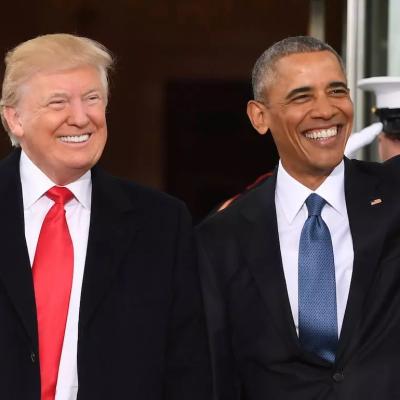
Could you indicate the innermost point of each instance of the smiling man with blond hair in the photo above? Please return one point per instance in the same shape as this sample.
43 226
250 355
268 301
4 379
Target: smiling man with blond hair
99 295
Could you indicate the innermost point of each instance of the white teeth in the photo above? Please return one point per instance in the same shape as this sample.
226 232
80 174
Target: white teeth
75 139
322 133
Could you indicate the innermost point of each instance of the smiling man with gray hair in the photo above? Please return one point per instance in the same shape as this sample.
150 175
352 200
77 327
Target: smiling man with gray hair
301 273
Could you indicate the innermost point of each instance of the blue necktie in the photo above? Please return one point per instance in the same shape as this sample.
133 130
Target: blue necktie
318 332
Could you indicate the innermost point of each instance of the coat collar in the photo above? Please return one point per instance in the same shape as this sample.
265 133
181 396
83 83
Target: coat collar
111 234
368 208
264 261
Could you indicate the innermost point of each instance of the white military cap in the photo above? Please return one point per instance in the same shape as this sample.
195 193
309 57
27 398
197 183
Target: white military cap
387 91
386 88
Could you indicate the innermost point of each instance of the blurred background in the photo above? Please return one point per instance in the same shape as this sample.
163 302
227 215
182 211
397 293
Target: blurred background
176 117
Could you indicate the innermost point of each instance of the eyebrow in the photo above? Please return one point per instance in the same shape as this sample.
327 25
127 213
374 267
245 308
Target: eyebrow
90 91
294 92
51 96
65 95
338 84
57 94
306 89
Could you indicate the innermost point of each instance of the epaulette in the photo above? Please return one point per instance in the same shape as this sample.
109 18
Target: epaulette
256 183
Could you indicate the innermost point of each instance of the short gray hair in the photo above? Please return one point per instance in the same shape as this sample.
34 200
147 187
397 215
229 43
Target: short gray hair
264 68
58 51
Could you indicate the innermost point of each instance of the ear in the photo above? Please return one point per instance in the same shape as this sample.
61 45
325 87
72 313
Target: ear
382 146
257 114
13 120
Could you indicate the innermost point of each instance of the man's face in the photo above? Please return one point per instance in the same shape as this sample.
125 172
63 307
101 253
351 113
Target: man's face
309 112
60 121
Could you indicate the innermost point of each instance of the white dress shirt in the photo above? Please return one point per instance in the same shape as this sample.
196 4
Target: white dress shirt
36 205
291 212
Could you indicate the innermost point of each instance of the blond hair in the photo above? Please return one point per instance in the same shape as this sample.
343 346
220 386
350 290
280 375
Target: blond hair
59 51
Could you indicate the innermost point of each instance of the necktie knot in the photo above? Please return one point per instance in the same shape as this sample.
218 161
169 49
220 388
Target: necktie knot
60 195
315 204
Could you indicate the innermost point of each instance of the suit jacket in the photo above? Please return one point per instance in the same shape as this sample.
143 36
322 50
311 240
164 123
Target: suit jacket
256 353
141 331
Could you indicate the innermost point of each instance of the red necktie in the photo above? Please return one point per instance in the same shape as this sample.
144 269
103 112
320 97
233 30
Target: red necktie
52 276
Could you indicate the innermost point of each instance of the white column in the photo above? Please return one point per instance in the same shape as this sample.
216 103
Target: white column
355 55
394 38
316 27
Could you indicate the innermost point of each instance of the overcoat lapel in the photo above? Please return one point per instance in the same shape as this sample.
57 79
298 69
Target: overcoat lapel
15 269
367 226
264 258
111 234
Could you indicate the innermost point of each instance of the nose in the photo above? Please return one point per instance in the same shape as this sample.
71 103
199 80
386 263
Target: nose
323 107
78 115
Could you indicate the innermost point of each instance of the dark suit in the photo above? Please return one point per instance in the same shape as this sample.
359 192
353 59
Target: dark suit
141 331
255 348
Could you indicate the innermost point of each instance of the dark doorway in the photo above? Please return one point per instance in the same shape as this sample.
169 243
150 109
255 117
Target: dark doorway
212 151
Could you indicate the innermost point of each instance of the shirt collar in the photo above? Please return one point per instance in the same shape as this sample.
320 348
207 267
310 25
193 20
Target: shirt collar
291 194
35 183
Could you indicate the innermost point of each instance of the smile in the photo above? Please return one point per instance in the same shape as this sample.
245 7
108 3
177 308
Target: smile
322 134
75 139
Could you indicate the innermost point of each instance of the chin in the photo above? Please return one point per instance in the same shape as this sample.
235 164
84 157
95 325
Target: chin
325 168
81 162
